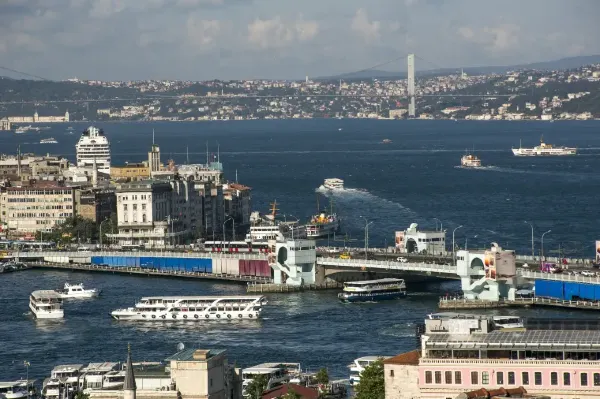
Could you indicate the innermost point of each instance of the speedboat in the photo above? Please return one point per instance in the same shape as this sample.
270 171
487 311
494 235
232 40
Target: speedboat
77 291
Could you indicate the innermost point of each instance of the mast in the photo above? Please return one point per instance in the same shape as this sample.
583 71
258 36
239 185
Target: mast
274 209
318 206
187 151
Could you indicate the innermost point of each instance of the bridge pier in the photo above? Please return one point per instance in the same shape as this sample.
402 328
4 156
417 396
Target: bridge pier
294 262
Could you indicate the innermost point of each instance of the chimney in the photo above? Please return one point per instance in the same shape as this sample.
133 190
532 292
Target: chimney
200 354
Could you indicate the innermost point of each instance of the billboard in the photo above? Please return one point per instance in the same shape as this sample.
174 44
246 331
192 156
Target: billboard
400 244
598 251
500 264
489 263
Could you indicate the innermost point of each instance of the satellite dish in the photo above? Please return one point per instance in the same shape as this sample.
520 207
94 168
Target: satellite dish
180 346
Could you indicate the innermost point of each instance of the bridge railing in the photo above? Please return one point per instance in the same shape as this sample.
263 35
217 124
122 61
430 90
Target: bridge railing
155 254
390 265
558 277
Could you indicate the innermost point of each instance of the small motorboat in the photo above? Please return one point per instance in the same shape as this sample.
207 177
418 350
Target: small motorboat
78 291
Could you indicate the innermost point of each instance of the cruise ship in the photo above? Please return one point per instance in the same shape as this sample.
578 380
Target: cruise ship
543 150
93 145
193 308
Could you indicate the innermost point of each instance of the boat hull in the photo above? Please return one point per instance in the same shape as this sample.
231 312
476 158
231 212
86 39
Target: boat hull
40 314
126 315
371 297
530 152
81 295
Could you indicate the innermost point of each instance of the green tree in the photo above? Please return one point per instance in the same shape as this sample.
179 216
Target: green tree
257 386
82 395
291 394
322 376
371 384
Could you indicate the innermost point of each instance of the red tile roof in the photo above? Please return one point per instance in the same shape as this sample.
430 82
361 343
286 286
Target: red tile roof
409 358
304 392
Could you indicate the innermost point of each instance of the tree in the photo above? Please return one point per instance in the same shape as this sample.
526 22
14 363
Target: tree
257 386
371 384
322 377
291 394
82 395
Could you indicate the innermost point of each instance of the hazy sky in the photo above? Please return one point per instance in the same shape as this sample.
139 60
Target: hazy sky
237 39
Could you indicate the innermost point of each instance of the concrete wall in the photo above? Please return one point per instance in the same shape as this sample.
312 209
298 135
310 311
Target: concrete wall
401 381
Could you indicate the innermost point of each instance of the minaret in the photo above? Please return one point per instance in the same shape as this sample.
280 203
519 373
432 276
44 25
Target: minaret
129 387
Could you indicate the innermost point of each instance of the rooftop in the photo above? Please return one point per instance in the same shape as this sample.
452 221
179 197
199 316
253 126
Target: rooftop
304 392
99 367
408 358
187 355
45 294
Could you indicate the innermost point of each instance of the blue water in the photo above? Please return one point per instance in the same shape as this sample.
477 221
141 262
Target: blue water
413 179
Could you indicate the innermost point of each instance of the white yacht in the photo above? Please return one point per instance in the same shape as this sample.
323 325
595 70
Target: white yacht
14 389
358 366
49 140
93 145
276 373
77 291
333 184
193 308
63 381
46 304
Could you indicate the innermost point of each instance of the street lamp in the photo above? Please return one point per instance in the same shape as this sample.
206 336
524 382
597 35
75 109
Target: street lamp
105 219
532 247
26 364
226 220
453 246
367 224
294 227
441 225
542 259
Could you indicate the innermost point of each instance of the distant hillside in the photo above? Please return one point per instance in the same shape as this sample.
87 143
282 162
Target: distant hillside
563 63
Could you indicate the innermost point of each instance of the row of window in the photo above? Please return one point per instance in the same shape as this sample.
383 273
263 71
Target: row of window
435 377
134 206
40 207
41 215
431 239
41 199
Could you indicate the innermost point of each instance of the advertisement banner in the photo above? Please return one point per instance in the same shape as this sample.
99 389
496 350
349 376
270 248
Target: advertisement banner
400 245
490 265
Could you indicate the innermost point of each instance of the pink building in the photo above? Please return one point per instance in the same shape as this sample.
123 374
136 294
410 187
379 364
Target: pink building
461 353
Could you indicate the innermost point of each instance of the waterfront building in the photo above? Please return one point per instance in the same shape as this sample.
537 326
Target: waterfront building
4 124
93 148
36 118
238 203
95 204
413 240
41 205
130 172
560 359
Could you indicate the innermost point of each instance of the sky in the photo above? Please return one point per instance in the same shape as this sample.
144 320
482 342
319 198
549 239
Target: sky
284 39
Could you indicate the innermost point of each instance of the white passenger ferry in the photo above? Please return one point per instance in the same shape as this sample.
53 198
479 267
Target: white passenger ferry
543 150
46 304
470 161
373 290
358 366
333 183
276 374
78 291
14 389
193 308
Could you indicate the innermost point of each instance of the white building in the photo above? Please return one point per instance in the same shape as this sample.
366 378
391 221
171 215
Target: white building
93 146
413 240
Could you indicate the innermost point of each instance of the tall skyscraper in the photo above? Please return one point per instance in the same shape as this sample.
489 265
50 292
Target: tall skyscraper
411 86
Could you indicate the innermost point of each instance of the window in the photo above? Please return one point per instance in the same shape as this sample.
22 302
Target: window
485 377
211 382
525 378
500 378
511 378
391 373
537 376
474 378
596 379
135 207
457 377
554 378
584 381
438 377
144 218
428 377
143 207
566 379
448 377
125 207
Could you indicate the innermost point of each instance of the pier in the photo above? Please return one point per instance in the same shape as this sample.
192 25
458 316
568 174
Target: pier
259 288
464 303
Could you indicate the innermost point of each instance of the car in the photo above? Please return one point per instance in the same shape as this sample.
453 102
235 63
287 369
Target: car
588 273
525 265
345 256
402 259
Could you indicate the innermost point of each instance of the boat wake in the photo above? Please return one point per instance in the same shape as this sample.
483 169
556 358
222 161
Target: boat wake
580 176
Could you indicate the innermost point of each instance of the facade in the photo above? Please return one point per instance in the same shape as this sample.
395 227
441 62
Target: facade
130 172
4 124
93 148
154 158
39 119
96 205
238 203
469 353
413 240
40 206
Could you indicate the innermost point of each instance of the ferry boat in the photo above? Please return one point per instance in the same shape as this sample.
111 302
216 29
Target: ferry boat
93 146
386 141
46 304
23 129
543 150
14 389
63 382
49 140
358 366
323 224
470 161
193 308
499 322
373 290
333 184
77 291
276 374
267 227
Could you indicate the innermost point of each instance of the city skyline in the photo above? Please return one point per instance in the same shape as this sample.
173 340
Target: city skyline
233 39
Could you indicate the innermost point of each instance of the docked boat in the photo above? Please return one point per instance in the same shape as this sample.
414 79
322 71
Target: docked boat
63 382
77 291
543 150
373 290
276 374
333 184
269 227
193 308
499 322
49 140
46 304
94 375
358 366
14 389
470 161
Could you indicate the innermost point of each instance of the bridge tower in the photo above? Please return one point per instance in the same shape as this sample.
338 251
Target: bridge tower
411 86
294 262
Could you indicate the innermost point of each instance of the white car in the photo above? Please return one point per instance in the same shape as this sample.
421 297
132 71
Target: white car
588 273
525 265
402 259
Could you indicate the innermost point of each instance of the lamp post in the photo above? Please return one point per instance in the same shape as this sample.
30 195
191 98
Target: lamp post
293 227
453 246
441 225
367 224
26 364
532 247
226 220
105 219
542 259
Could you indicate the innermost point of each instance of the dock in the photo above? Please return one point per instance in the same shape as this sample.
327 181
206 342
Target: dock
258 288
463 304
133 270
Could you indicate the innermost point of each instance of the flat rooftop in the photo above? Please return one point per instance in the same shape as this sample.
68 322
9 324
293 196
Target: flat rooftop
186 355
46 294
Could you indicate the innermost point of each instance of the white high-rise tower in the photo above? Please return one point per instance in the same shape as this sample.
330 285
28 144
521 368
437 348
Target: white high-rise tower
411 86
